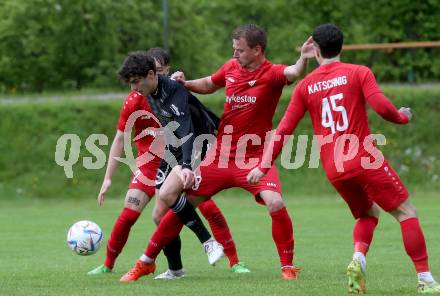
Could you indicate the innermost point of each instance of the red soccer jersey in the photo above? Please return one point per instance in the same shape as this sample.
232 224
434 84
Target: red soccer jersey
335 95
251 99
143 123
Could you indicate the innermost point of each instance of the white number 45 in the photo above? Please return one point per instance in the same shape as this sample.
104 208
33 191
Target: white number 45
327 115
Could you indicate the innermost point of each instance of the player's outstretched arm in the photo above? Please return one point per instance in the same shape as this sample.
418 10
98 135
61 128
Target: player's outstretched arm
297 70
200 86
115 151
378 101
382 106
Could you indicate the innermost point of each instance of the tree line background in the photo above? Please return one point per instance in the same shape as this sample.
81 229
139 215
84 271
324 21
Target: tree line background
72 44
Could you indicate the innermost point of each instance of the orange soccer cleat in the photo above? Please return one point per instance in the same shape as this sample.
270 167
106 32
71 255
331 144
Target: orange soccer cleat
290 272
139 269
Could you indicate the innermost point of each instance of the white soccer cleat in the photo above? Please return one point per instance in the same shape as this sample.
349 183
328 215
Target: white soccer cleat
170 275
214 250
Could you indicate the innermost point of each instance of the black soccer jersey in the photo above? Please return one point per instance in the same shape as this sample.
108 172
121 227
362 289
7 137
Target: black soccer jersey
170 105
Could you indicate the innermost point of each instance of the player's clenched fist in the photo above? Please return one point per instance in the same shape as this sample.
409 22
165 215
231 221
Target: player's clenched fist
407 112
179 76
307 49
187 177
254 176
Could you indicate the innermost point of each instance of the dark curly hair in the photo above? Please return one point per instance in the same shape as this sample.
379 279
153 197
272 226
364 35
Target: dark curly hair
137 63
329 39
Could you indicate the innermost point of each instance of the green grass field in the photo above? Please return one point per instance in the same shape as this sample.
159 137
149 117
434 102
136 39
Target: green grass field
38 204
35 259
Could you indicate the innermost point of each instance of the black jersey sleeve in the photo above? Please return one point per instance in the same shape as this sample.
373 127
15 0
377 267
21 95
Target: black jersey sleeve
180 108
204 120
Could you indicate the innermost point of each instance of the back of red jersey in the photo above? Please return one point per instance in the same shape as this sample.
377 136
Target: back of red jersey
335 96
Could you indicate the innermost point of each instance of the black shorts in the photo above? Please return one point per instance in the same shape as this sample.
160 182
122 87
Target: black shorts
166 166
171 158
162 173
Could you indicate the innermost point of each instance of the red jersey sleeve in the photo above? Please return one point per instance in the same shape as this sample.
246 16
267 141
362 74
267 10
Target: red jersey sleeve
219 77
126 111
367 81
280 78
377 100
294 113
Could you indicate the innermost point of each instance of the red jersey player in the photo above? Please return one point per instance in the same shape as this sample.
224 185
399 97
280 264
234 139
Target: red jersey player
335 94
209 209
139 192
142 190
253 87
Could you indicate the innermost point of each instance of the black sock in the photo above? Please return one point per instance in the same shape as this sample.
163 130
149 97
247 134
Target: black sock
188 215
172 252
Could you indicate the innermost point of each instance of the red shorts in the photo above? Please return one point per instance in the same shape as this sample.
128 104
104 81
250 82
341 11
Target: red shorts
382 186
145 178
211 179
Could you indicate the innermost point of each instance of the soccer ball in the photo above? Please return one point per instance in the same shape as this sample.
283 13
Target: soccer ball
85 237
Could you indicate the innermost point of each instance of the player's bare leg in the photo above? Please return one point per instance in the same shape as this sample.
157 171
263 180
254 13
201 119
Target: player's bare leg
415 246
134 203
169 228
171 194
145 264
282 233
185 213
159 210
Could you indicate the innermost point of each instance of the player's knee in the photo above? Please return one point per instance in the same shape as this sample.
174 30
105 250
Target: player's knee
167 195
157 216
275 205
410 211
159 210
405 211
374 211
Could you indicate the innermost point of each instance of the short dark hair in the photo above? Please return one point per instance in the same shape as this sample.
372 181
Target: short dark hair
159 54
329 39
253 34
137 63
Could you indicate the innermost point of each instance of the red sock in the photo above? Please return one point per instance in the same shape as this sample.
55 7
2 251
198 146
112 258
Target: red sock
282 234
414 243
119 235
220 229
363 233
168 229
